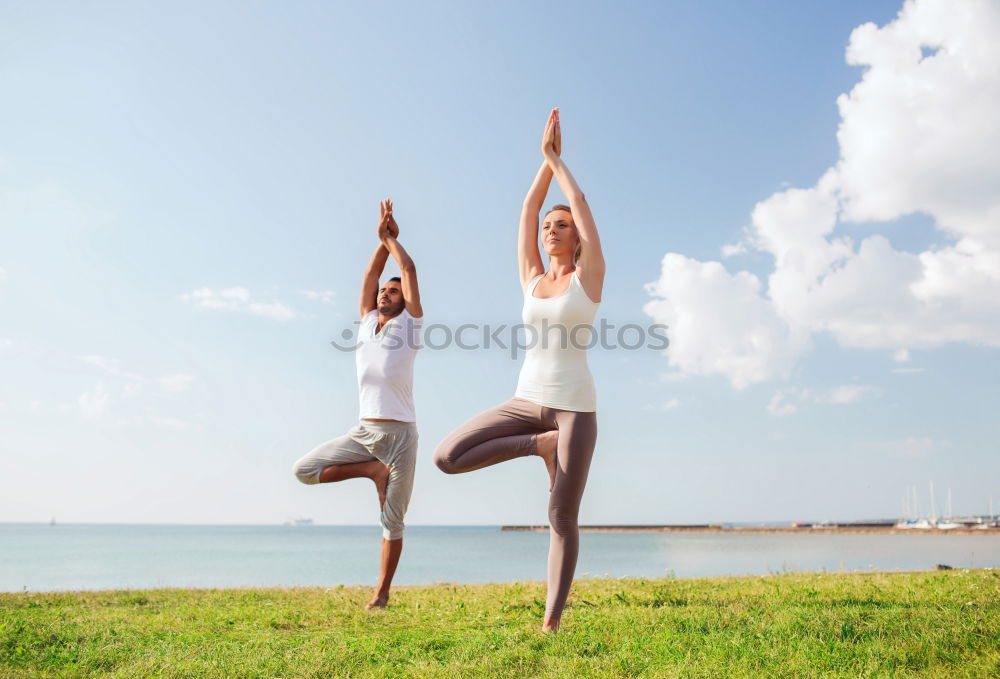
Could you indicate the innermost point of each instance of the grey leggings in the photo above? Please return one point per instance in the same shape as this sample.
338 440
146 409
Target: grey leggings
508 431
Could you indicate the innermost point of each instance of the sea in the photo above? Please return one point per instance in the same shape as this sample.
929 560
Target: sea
42 557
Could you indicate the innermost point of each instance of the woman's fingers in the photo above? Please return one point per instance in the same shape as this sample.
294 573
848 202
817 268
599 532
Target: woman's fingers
549 135
552 125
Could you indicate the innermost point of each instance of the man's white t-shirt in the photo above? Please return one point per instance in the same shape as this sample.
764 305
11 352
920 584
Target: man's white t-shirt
385 366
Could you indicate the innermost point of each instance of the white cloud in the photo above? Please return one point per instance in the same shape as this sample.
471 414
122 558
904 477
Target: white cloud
173 384
907 371
733 249
917 135
324 296
901 356
782 403
846 394
5 344
98 405
110 366
239 300
94 405
3 273
719 323
789 400
176 384
671 404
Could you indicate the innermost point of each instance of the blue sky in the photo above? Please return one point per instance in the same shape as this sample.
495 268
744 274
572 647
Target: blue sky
156 155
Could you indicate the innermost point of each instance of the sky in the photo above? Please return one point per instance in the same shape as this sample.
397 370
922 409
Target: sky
807 194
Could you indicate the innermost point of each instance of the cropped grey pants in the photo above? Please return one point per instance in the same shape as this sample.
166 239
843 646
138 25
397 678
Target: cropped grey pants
508 431
392 443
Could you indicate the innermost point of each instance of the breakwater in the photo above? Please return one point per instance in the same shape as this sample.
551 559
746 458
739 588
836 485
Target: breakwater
813 529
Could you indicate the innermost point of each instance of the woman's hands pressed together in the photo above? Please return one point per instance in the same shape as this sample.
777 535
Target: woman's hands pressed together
552 138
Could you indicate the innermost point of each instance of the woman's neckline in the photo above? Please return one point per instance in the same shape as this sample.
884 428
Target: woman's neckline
565 292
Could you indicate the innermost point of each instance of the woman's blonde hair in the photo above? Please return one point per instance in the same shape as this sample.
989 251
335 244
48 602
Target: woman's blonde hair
556 207
560 206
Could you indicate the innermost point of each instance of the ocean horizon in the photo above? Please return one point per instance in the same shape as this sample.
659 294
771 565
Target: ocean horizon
44 557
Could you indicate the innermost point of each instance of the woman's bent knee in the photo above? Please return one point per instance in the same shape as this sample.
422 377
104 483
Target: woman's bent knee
445 465
442 458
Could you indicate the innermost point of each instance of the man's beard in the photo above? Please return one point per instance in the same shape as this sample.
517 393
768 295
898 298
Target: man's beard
389 309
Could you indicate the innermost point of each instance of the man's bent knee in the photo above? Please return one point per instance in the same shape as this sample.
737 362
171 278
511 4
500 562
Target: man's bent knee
306 473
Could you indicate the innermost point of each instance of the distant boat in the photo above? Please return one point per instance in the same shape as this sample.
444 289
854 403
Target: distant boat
53 521
932 521
949 522
920 524
299 522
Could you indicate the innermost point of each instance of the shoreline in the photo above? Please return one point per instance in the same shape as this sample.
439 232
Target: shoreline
448 585
790 530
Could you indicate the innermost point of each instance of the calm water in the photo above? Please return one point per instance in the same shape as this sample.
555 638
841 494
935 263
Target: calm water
41 557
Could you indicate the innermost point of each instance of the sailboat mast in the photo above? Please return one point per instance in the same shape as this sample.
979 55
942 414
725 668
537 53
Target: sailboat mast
933 508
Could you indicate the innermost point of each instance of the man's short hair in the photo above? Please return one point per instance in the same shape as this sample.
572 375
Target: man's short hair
396 279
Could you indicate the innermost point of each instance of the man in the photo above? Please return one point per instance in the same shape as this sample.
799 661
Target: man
383 446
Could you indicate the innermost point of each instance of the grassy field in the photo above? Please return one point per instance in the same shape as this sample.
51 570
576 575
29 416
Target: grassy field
941 624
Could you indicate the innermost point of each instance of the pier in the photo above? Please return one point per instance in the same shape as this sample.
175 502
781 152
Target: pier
803 529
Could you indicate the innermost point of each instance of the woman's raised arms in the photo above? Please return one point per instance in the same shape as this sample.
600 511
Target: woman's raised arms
529 259
590 267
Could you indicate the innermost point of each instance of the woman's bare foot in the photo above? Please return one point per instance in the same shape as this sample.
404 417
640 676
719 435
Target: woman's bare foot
545 448
551 625
380 475
378 601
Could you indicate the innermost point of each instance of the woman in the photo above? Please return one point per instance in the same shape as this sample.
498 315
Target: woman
553 412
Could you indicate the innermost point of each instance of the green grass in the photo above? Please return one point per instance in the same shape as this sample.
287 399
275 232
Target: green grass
941 624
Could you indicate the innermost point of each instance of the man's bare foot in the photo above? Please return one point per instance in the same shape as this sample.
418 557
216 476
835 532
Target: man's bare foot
380 476
545 448
378 601
551 625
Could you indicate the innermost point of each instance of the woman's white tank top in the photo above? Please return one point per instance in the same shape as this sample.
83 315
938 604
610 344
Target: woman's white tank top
560 330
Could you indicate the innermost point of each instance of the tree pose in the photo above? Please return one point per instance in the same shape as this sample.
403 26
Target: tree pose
553 412
383 445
